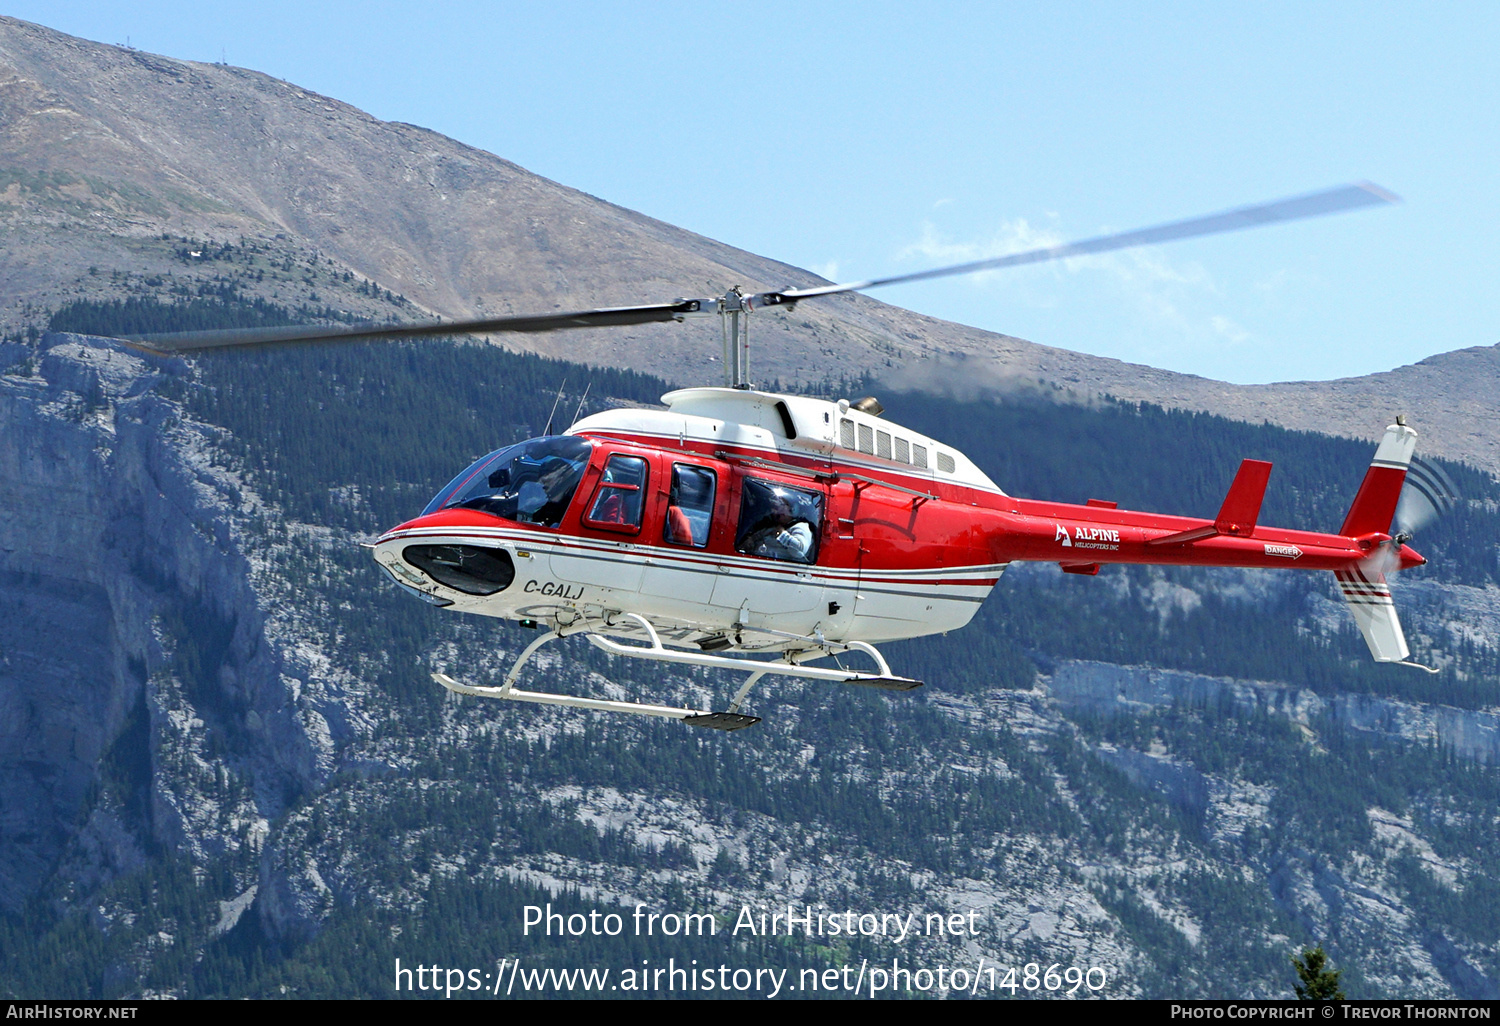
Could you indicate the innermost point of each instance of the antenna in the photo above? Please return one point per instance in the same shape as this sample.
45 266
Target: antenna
548 429
583 400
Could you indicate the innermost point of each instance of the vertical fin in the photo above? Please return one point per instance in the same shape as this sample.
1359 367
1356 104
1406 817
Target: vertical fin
1369 599
1241 508
1375 503
1372 511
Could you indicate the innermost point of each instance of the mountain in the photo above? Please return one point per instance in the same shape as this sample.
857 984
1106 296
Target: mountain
225 771
104 150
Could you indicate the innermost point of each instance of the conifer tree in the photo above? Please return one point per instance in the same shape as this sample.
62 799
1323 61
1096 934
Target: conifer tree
1319 983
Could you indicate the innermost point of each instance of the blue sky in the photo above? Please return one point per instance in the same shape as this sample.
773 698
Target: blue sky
874 138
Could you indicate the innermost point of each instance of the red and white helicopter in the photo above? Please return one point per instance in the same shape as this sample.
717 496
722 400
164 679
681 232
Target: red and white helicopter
757 532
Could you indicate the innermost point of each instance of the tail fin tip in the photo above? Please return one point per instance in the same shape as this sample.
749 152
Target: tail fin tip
1374 504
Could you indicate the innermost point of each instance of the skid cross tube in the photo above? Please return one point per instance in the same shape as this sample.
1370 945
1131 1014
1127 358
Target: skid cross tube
507 689
789 665
655 650
739 696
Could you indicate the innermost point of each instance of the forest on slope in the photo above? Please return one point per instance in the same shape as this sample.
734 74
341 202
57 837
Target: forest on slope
978 778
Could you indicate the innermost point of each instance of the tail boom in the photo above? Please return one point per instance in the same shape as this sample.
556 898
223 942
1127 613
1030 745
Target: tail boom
1099 533
1082 538
1067 534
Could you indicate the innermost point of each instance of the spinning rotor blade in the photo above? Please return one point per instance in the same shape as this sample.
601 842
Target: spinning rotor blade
188 341
1348 197
1427 494
1330 201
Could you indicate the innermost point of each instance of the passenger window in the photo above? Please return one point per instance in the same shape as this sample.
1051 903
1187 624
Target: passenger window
620 496
690 506
779 521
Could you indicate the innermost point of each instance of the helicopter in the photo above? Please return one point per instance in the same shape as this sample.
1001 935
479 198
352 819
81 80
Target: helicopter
758 532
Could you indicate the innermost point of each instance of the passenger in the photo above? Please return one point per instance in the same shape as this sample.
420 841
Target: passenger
611 510
780 534
679 527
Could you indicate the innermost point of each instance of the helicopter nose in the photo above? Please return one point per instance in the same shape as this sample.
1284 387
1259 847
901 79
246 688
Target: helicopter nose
1410 557
471 569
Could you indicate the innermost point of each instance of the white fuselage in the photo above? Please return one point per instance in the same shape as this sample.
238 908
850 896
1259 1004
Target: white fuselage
569 577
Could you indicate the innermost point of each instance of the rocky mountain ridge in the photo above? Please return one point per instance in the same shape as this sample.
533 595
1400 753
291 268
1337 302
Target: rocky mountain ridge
105 150
1132 690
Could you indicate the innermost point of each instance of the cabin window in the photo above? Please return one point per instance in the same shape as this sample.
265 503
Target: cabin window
690 506
779 521
867 439
846 433
919 455
903 451
530 483
620 496
945 463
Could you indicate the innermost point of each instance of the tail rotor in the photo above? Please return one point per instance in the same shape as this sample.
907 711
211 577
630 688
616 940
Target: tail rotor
1427 495
1400 495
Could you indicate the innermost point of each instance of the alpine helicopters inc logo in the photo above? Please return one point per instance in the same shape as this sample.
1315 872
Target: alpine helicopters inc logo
1089 538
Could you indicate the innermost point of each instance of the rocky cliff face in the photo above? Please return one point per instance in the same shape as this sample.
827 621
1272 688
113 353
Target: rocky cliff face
1133 690
1352 896
139 624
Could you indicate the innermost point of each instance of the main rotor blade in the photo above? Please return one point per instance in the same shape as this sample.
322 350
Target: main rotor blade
1316 204
189 341
1348 197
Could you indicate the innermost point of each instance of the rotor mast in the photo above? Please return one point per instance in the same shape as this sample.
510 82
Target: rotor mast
734 326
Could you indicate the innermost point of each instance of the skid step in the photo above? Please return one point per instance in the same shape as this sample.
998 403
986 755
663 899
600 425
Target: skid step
721 720
886 683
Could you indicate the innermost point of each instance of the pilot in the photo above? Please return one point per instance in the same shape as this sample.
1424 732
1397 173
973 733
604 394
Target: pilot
558 481
781 534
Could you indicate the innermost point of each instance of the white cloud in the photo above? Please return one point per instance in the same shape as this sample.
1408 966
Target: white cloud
830 270
1011 237
1230 330
1172 298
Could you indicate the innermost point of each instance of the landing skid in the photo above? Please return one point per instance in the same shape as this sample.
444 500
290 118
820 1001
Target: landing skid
790 665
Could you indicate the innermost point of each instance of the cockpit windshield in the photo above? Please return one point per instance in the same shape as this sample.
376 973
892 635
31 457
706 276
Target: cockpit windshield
531 483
